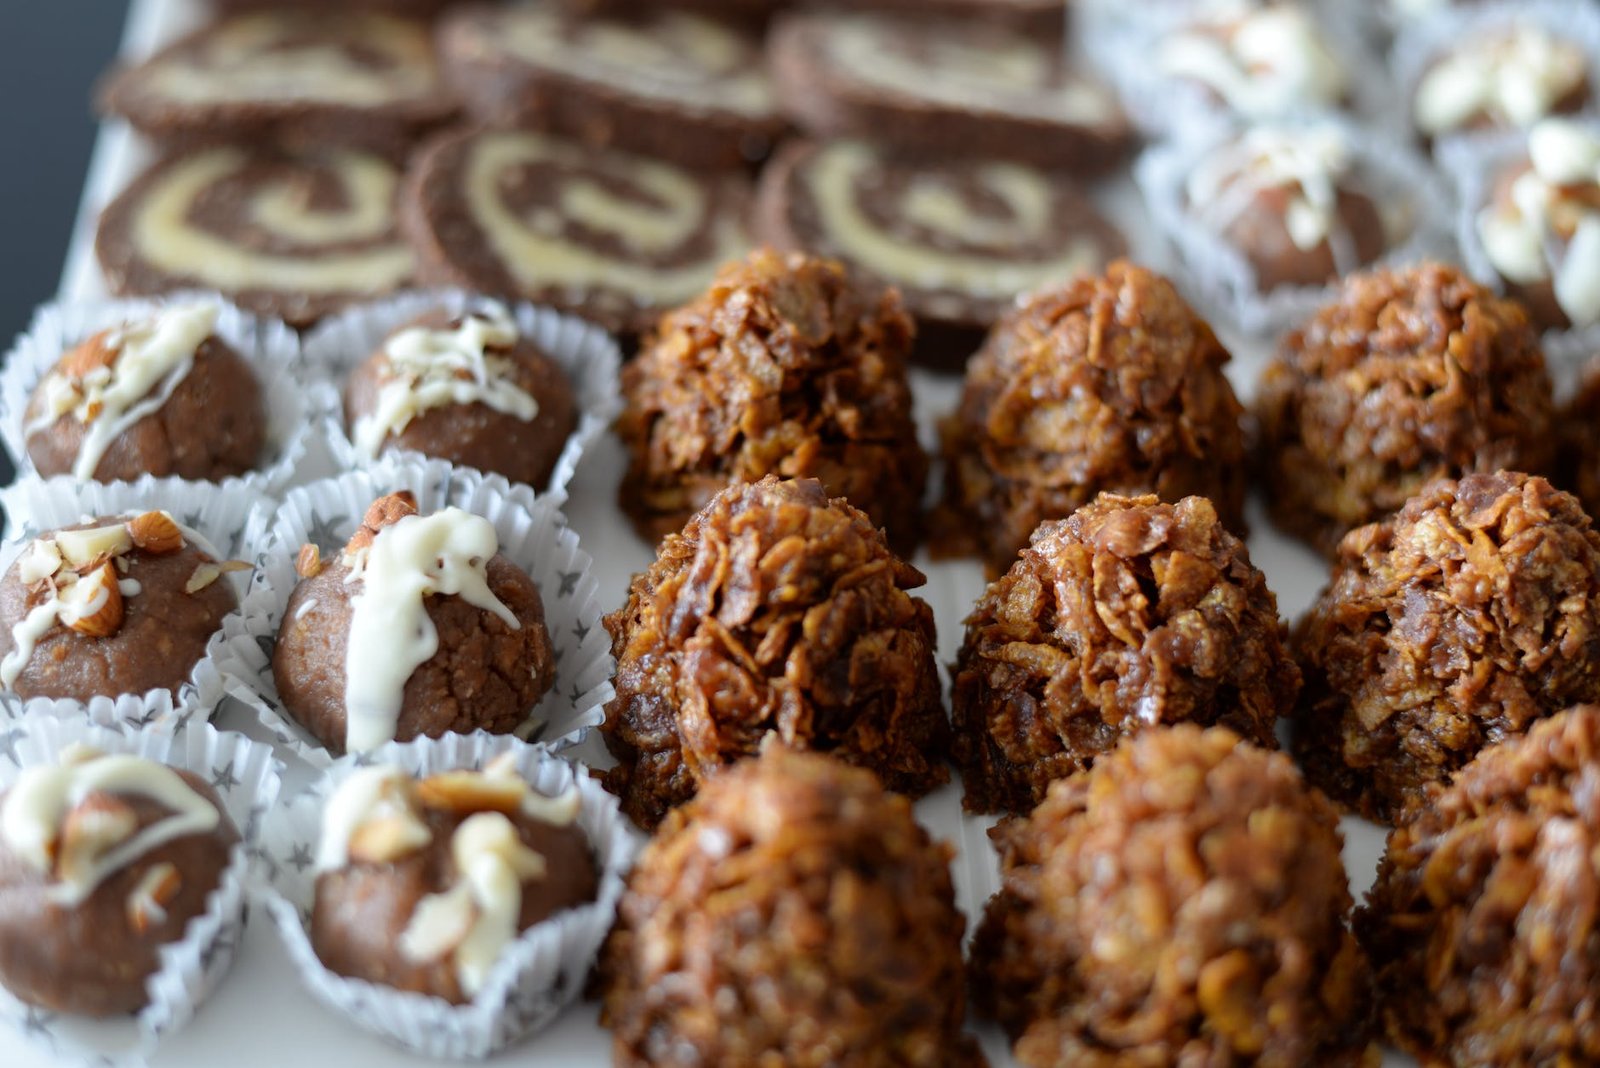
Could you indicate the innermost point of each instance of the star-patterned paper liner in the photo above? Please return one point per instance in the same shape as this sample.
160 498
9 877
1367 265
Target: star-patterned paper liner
536 977
538 540
219 514
296 400
246 776
587 354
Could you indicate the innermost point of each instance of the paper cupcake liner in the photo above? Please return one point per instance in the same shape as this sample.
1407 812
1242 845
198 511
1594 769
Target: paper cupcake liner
272 350
1473 165
1221 276
586 353
537 976
246 778
535 538
220 514
1420 43
1174 108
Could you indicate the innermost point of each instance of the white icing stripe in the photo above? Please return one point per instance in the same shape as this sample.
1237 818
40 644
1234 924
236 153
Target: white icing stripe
833 174
150 359
1514 77
254 58
1272 62
445 553
25 637
429 369
164 235
31 819
366 794
677 56
538 255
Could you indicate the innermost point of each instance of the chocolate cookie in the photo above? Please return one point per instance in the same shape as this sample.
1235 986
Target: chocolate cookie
298 77
104 860
112 606
945 88
468 389
669 84
419 627
960 240
613 237
293 235
417 879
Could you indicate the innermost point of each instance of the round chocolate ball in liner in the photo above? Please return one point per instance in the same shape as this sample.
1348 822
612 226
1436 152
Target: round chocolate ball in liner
163 395
417 628
1102 384
545 560
795 913
670 84
124 857
1129 615
945 88
1451 626
960 240
787 365
454 393
1182 902
1407 376
1482 923
613 237
290 234
330 76
506 867
775 611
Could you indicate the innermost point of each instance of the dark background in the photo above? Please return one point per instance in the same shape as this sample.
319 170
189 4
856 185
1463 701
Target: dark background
50 53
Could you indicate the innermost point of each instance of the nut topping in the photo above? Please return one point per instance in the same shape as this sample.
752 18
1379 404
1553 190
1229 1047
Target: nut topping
387 838
147 903
383 512
93 605
155 532
82 548
308 564
207 573
101 822
90 356
470 791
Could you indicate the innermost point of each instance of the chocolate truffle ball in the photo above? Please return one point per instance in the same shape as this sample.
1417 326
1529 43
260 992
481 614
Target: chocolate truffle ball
1580 440
206 419
1181 903
1447 628
116 605
87 908
776 611
493 661
794 913
1102 384
1498 75
394 901
1406 377
1129 614
1482 926
464 388
783 367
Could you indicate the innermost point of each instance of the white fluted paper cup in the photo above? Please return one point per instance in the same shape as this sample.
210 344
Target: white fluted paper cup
535 978
532 534
245 775
218 515
295 405
1220 274
587 355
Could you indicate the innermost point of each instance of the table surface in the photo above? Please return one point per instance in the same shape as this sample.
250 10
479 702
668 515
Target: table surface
260 1016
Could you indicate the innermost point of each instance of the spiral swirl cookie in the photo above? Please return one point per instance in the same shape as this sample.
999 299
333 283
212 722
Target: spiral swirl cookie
296 76
960 240
945 88
668 83
293 235
607 235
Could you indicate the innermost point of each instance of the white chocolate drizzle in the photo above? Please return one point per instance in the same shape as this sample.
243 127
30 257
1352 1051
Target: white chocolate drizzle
1269 63
269 57
429 369
31 820
1524 235
1309 164
1516 78
682 57
381 792
391 635
149 359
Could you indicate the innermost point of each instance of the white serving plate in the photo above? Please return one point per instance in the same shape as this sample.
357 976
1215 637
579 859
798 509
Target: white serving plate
261 1018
